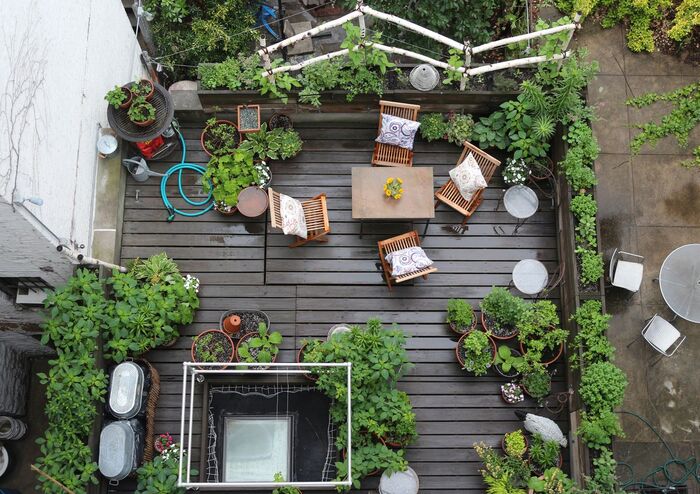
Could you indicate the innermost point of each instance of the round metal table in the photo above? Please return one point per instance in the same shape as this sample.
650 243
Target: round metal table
679 280
252 202
521 202
530 276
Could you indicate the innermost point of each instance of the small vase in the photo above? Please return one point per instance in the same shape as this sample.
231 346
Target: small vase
232 324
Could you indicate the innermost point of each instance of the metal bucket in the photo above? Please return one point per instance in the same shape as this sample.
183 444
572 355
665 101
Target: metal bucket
107 143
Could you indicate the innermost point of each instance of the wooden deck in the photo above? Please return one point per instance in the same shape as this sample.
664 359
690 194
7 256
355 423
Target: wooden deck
242 264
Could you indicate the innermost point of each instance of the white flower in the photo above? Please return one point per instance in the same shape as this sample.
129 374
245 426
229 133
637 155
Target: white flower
192 282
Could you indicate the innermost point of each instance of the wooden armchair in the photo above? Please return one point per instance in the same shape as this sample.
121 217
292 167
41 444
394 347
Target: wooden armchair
387 154
449 193
315 213
410 239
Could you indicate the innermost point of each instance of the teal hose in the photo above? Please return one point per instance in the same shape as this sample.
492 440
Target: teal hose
179 168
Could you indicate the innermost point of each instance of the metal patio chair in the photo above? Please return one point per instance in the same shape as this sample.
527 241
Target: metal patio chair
626 270
662 336
315 214
400 242
388 154
449 193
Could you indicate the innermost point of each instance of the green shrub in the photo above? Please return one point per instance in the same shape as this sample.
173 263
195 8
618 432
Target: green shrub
234 73
460 313
583 205
687 19
459 128
478 354
275 144
262 348
602 387
226 176
537 381
544 454
503 307
597 431
591 266
433 126
159 476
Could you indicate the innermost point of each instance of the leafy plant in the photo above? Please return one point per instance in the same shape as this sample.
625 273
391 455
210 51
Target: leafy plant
433 126
586 232
504 308
679 122
591 263
284 490
220 137
507 360
277 86
515 172
590 338
602 387
319 77
687 19
460 314
141 88
544 454
537 381
537 320
515 444
116 97
226 176
272 144
477 353
262 348
553 481
212 347
234 73
141 110
583 205
597 431
160 475
503 474
459 128
156 269
604 478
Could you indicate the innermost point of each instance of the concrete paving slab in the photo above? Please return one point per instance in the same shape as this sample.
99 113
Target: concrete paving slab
604 46
305 45
656 64
647 456
608 94
616 198
666 194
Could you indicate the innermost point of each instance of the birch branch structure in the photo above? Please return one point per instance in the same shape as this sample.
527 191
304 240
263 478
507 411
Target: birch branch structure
524 37
516 63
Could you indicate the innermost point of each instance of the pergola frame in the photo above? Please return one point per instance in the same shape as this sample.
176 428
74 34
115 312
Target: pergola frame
361 10
195 372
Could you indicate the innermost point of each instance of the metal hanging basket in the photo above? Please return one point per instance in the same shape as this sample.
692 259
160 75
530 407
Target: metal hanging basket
424 77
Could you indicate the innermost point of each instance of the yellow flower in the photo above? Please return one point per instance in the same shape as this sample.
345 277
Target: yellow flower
385 187
400 181
398 196
389 180
401 191
388 192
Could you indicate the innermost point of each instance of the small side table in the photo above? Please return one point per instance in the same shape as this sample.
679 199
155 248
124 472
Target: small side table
252 202
521 202
530 276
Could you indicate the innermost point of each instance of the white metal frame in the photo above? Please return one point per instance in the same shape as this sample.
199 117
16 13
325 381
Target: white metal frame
674 346
361 10
620 255
195 372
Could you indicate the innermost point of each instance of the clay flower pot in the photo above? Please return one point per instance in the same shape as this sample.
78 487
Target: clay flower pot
203 135
129 98
300 359
503 443
554 355
458 353
150 84
457 331
226 338
488 327
232 324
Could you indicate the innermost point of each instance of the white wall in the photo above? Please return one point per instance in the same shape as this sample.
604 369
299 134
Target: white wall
72 53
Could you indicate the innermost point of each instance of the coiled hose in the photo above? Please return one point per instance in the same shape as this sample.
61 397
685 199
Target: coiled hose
179 168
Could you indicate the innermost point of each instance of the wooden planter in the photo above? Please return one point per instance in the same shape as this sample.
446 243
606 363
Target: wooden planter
248 108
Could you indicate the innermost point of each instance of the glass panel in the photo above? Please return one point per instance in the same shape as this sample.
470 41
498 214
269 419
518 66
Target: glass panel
255 448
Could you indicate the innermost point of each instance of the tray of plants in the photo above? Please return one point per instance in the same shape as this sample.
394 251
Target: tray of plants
144 115
238 323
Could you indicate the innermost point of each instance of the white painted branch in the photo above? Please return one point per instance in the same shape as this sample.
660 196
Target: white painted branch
412 54
412 27
267 63
577 20
311 32
524 37
310 61
516 63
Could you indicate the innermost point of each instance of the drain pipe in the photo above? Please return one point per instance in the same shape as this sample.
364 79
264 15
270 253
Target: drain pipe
90 261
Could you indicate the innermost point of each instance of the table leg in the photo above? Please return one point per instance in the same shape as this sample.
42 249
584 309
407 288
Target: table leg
362 227
500 201
425 230
518 225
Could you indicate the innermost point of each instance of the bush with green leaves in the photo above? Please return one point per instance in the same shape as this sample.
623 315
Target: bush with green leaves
679 122
226 176
544 454
459 128
275 144
539 331
503 308
515 443
537 381
160 475
433 126
503 474
590 338
235 73
477 352
598 430
263 347
507 360
460 314
583 205
602 387
591 266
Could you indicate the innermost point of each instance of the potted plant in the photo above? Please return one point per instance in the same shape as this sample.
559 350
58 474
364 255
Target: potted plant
163 442
144 88
512 393
536 381
276 144
475 352
261 346
284 490
540 338
219 137
393 414
248 118
160 475
515 172
460 316
500 313
459 128
120 97
433 127
280 121
141 112
552 481
509 362
212 345
544 454
514 444
226 176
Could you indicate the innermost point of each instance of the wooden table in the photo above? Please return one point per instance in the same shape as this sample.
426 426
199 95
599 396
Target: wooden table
370 203
252 202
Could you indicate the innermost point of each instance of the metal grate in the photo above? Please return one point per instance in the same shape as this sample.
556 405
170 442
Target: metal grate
127 130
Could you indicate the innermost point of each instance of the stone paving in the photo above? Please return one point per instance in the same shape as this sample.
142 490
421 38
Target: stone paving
648 205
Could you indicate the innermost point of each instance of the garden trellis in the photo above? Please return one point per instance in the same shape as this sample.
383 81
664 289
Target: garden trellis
465 47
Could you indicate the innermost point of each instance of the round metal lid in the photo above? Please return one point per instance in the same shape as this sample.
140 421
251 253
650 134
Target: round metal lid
399 482
127 130
424 77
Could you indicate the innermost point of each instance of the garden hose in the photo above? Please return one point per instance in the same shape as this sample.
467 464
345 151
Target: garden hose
172 210
661 477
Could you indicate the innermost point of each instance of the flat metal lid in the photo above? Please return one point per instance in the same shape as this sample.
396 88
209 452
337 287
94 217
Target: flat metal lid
117 450
399 482
125 390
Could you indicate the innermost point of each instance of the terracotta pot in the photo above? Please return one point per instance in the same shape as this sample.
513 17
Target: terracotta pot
300 354
503 443
230 341
145 123
277 117
245 338
237 140
502 338
153 88
503 396
556 354
471 328
232 324
459 345
129 99
223 212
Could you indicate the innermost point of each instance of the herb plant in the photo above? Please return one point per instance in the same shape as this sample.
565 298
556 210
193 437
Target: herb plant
590 338
234 73
141 110
503 308
272 144
591 263
160 475
477 353
544 454
597 431
226 176
602 387
459 128
503 474
116 97
262 348
515 444
158 268
212 347
220 138
537 381
460 314
583 205
433 126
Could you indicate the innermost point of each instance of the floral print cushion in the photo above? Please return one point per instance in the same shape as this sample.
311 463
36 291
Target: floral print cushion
398 131
468 178
293 220
407 261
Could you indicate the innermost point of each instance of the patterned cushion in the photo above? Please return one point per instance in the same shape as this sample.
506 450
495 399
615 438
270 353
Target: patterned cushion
467 177
398 131
407 261
293 220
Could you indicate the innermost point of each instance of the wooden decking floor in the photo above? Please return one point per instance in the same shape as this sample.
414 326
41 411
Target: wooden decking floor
243 264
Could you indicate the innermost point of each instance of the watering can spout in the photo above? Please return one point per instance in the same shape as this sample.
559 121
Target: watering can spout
139 169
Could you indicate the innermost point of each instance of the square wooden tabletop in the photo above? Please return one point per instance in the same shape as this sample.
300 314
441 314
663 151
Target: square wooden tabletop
370 202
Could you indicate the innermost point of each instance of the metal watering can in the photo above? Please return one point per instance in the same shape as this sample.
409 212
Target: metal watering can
139 169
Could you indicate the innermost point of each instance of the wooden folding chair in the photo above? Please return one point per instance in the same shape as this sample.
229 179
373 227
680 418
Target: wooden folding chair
388 154
449 193
410 239
315 213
